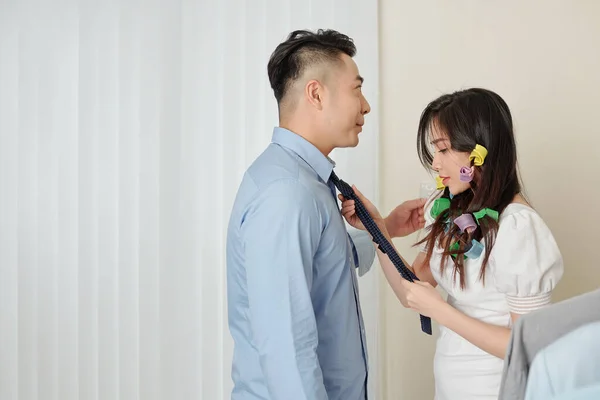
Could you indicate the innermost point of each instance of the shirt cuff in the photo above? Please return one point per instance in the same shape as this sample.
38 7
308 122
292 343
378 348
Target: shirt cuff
527 304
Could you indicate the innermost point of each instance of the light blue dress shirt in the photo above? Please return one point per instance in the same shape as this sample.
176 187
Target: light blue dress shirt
569 368
591 392
294 311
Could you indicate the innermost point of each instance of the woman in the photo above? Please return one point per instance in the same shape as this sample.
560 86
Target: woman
485 246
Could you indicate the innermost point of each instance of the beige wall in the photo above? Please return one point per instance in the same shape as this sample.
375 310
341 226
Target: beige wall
543 57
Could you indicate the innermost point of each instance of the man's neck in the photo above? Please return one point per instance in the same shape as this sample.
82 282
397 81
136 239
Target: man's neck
307 134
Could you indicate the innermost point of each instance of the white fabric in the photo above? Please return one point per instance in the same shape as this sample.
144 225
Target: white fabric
525 266
125 128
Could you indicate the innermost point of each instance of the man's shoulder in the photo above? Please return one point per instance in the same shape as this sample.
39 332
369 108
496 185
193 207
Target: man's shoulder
277 165
271 165
280 177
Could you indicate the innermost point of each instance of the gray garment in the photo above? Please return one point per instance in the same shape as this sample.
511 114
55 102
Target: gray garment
533 332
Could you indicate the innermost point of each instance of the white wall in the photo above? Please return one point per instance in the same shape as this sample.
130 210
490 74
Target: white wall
125 127
543 58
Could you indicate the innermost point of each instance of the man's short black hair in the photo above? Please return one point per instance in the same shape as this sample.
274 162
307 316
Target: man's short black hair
302 49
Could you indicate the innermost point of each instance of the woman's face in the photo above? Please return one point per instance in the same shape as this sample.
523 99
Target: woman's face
448 162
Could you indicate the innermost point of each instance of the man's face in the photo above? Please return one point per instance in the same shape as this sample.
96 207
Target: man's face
345 106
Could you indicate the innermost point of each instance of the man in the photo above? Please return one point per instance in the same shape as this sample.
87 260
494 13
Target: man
294 311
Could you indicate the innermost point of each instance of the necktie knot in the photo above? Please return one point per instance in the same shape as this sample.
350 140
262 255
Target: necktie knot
334 178
345 189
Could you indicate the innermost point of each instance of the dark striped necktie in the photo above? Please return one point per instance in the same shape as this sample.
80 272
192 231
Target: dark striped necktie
384 245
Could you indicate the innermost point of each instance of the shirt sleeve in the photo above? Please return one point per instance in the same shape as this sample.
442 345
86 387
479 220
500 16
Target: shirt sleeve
281 231
362 250
526 261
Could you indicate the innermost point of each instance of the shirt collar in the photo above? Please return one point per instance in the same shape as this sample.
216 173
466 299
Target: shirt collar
321 164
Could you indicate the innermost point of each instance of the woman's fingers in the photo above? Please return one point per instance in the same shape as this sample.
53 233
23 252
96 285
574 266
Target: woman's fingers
348 210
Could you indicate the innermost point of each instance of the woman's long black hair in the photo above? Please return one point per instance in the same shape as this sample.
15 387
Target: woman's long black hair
470 117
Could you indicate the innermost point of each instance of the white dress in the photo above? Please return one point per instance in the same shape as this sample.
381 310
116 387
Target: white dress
524 267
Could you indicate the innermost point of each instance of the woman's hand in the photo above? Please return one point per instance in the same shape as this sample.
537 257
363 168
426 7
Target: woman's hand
423 298
407 218
349 210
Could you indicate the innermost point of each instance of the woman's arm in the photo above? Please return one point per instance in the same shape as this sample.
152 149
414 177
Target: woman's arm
418 267
490 338
422 270
424 298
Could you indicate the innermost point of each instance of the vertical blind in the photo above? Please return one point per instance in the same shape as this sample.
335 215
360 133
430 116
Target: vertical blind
125 128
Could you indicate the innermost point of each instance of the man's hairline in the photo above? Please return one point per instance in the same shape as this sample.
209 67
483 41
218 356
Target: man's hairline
339 62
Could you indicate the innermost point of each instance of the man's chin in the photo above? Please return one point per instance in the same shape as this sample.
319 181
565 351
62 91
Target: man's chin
353 142
349 142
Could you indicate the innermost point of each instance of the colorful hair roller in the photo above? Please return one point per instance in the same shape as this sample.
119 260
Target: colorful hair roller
439 183
466 223
475 250
486 211
455 247
478 155
439 206
466 174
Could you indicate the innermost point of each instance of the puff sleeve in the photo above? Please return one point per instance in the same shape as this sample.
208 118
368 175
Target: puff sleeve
526 261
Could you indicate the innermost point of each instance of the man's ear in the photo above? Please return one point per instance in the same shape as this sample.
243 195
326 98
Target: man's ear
314 92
